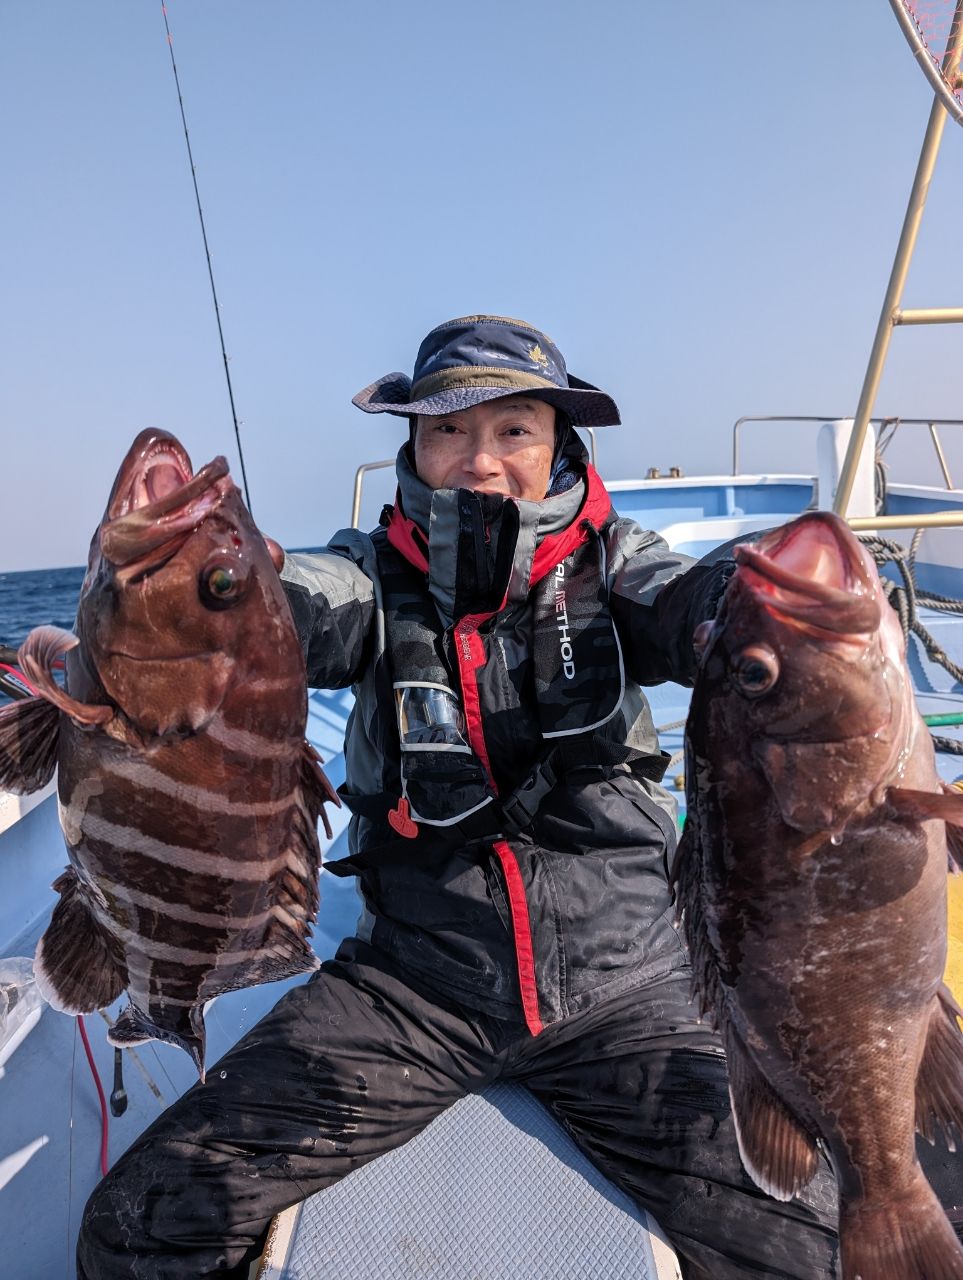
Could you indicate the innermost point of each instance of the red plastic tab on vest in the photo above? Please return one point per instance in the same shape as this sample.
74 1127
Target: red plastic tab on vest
401 820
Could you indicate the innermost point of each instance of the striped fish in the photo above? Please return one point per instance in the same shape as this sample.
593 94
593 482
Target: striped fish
189 798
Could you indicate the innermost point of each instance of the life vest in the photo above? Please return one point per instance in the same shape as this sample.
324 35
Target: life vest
439 686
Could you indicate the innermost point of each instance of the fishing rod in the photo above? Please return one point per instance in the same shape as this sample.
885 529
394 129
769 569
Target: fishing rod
207 254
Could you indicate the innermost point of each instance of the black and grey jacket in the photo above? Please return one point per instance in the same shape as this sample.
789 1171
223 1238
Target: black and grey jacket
508 827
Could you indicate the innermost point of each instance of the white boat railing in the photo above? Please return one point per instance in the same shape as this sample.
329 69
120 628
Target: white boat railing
931 423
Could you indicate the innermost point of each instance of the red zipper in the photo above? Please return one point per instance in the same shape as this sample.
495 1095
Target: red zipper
521 926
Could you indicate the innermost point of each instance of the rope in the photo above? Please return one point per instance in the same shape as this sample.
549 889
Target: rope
207 254
907 599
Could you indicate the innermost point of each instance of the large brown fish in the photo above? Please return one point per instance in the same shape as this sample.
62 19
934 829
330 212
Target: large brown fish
189 797
812 880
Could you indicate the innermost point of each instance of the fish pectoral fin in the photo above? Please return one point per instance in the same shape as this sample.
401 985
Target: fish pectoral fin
945 805
37 655
954 826
778 1152
134 1027
939 1081
317 788
29 737
78 965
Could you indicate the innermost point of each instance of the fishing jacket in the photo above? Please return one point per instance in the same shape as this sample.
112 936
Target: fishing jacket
508 826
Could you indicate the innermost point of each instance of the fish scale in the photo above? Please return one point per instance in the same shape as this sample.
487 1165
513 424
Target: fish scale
189 797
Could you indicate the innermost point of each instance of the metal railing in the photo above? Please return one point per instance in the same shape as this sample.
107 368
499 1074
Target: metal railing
359 476
893 315
931 423
778 417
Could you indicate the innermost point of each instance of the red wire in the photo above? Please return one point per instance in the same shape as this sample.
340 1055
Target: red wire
100 1095
104 1123
15 671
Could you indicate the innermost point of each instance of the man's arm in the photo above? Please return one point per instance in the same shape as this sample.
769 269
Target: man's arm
332 599
658 599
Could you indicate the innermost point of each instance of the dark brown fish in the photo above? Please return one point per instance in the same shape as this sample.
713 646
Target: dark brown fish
811 878
189 797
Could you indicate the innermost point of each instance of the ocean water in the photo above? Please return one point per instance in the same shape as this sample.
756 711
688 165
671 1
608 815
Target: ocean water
35 597
38 596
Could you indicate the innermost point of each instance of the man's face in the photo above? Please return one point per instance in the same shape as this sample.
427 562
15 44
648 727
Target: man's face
500 446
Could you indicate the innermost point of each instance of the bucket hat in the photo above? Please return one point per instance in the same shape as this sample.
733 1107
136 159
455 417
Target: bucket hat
466 361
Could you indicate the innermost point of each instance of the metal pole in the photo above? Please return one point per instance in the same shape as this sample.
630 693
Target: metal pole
359 476
894 292
917 520
735 445
944 82
937 445
590 432
897 280
928 315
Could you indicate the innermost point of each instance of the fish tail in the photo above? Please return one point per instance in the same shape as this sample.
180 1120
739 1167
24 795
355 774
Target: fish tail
909 1238
78 964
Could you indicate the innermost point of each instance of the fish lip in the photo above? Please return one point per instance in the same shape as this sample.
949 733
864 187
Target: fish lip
140 533
150 447
819 606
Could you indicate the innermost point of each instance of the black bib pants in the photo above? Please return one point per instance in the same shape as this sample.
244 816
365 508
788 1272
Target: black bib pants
357 1061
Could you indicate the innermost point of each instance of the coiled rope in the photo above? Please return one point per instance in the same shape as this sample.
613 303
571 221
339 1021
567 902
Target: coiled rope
906 599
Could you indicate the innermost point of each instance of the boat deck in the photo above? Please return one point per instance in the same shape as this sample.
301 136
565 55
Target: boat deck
447 1205
494 1190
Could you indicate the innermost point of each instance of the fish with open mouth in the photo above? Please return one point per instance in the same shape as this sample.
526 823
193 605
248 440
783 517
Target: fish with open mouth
811 881
189 798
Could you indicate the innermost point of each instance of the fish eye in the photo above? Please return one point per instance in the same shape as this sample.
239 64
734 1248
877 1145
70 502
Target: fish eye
221 584
755 670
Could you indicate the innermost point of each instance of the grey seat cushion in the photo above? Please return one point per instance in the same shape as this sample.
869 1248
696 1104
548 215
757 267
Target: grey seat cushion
494 1189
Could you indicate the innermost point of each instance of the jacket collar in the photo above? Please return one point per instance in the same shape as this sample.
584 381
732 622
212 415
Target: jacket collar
548 531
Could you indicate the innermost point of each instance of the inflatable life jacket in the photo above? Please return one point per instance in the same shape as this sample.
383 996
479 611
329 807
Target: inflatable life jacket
442 698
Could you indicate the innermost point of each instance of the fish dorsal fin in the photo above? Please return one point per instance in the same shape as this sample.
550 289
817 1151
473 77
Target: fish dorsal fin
285 949
939 1081
29 737
37 655
318 791
779 1153
686 882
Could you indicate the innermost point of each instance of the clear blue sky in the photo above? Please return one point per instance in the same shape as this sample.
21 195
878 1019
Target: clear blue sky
699 202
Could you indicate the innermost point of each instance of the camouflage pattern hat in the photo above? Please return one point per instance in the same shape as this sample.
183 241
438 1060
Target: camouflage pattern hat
475 358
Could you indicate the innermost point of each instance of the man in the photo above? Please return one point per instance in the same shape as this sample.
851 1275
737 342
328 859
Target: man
511 839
